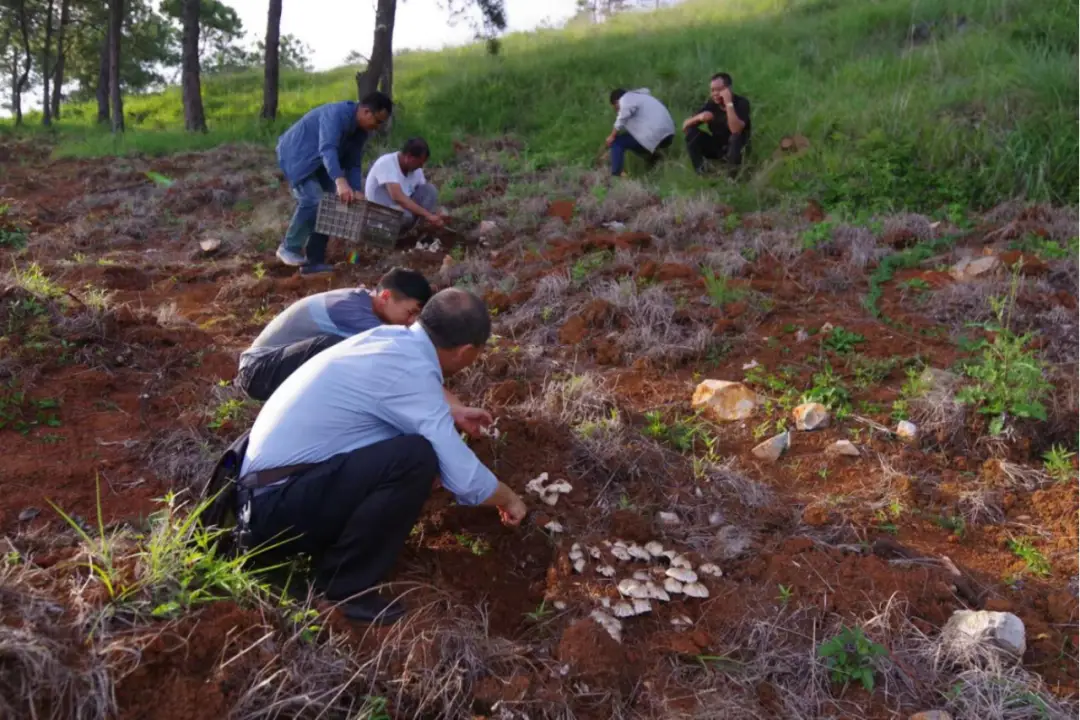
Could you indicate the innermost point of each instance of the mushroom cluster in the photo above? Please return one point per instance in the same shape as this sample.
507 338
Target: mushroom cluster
549 493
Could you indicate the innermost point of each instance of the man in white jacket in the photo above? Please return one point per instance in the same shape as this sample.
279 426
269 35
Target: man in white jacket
642 125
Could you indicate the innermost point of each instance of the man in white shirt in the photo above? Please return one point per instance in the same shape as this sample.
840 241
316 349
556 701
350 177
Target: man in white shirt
397 180
642 125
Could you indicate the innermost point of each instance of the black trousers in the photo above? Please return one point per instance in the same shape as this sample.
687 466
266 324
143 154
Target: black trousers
351 513
262 376
701 146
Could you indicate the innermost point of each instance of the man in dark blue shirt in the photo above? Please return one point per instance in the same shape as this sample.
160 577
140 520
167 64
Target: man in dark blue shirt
319 154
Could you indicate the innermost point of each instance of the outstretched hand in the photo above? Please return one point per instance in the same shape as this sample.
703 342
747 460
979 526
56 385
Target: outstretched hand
470 420
513 512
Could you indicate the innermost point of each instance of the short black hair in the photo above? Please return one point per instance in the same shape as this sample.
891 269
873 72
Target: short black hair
722 76
616 94
404 282
455 317
377 102
416 147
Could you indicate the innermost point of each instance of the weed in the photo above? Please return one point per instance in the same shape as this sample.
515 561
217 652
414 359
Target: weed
842 341
870 372
23 414
718 288
541 612
953 523
1040 247
587 264
34 281
785 594
817 235
916 285
227 413
828 389
850 655
477 546
1036 562
259 271
680 433
1059 465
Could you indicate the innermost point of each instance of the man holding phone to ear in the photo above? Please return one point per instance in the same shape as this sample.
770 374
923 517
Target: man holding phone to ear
727 116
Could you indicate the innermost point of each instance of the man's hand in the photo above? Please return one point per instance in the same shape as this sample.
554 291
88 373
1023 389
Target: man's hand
610 140
436 220
345 192
691 122
513 512
470 419
725 96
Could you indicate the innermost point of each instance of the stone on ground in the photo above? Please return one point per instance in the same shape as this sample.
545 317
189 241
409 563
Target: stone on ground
811 416
668 518
723 400
972 268
969 630
907 430
773 448
843 447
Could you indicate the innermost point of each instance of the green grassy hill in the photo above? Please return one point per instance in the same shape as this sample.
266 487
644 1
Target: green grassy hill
981 105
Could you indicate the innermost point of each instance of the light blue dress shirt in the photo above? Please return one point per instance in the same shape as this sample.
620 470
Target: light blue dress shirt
371 387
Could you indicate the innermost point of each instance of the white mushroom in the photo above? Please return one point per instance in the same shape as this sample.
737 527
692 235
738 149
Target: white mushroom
575 548
620 543
636 551
680 621
656 592
673 586
641 606
642 576
681 561
610 624
605 602
594 552
536 485
682 574
655 549
623 609
560 486
632 588
670 554
605 543
554 526
579 565
710 569
606 570
696 590
560 605
575 553
550 498
620 553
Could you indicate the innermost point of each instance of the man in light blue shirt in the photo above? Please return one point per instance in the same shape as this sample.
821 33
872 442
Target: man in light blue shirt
348 448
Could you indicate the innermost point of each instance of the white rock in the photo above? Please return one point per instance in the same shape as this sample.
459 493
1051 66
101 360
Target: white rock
636 551
632 588
579 565
696 590
811 416
606 570
827 327
642 606
906 430
620 553
710 569
655 549
843 447
972 268
623 609
668 518
968 630
681 561
724 400
802 336
209 245
681 574
673 586
773 448
642 576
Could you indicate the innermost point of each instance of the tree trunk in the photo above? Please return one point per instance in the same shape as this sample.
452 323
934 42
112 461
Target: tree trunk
20 85
58 74
194 118
381 51
103 80
272 63
46 96
116 22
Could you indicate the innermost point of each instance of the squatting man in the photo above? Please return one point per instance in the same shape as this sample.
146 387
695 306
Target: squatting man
348 448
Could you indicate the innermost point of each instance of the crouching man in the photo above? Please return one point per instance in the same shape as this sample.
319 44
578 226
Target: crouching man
397 180
343 456
317 322
642 125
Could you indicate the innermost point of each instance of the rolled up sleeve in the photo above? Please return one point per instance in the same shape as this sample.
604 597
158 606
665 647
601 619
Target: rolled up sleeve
331 131
627 108
423 411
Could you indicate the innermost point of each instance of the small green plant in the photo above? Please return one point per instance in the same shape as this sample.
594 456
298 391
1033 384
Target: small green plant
954 524
842 341
375 708
1036 562
11 235
850 656
587 264
870 372
22 414
828 389
541 612
477 546
719 288
227 413
259 271
1059 465
304 619
34 280
817 235
680 433
785 594
1042 248
915 285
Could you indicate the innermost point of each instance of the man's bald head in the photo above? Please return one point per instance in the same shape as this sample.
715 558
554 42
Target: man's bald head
454 318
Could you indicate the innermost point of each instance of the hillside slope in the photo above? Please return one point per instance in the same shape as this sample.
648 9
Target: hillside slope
906 103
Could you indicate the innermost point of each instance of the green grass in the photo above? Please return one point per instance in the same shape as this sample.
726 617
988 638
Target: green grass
977 114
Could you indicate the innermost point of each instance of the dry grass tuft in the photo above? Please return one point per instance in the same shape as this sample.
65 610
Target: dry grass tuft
184 457
653 332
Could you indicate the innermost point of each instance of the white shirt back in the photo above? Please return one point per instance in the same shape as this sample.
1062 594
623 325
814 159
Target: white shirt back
387 169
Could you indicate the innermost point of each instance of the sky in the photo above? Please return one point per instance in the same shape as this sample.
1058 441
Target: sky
334 27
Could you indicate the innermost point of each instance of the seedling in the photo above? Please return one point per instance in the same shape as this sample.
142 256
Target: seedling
719 289
785 594
259 271
842 341
954 524
1036 562
587 264
817 235
477 546
850 655
1059 465
305 620
541 612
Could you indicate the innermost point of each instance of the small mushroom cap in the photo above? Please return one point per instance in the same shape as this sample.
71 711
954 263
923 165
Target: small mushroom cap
673 586
682 574
560 486
641 606
642 575
575 548
670 554
550 498
629 585
594 553
681 561
681 621
560 605
656 592
554 526
711 569
636 551
623 609
696 590
606 570
579 565
620 553
655 549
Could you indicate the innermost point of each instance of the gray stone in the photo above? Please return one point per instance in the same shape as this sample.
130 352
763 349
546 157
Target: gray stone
811 416
773 448
29 514
968 631
972 268
843 447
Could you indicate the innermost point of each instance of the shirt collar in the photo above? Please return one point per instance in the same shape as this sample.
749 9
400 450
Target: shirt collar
429 352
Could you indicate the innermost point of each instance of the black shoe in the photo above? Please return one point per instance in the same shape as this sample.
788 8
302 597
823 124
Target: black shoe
371 608
316 268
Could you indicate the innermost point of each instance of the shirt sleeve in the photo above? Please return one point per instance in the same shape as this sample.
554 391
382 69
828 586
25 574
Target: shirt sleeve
422 410
627 108
331 131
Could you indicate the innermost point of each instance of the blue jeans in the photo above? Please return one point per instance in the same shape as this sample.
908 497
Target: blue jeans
625 141
301 236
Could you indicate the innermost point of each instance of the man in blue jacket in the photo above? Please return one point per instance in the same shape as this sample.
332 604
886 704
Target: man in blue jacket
319 154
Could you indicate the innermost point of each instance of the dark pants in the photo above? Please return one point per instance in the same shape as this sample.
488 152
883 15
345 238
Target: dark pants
262 375
701 146
625 142
301 236
351 513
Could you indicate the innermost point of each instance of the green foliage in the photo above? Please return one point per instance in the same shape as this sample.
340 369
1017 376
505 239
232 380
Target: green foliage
1036 562
23 414
785 593
680 433
1044 248
541 612
829 390
842 341
850 655
228 412
817 235
909 258
587 264
719 289
34 280
1059 464
954 524
11 235
476 545
870 372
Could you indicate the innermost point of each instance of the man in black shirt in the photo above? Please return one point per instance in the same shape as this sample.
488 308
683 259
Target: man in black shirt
728 118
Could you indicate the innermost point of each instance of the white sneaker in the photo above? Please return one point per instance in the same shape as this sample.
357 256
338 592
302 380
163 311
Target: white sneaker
289 257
